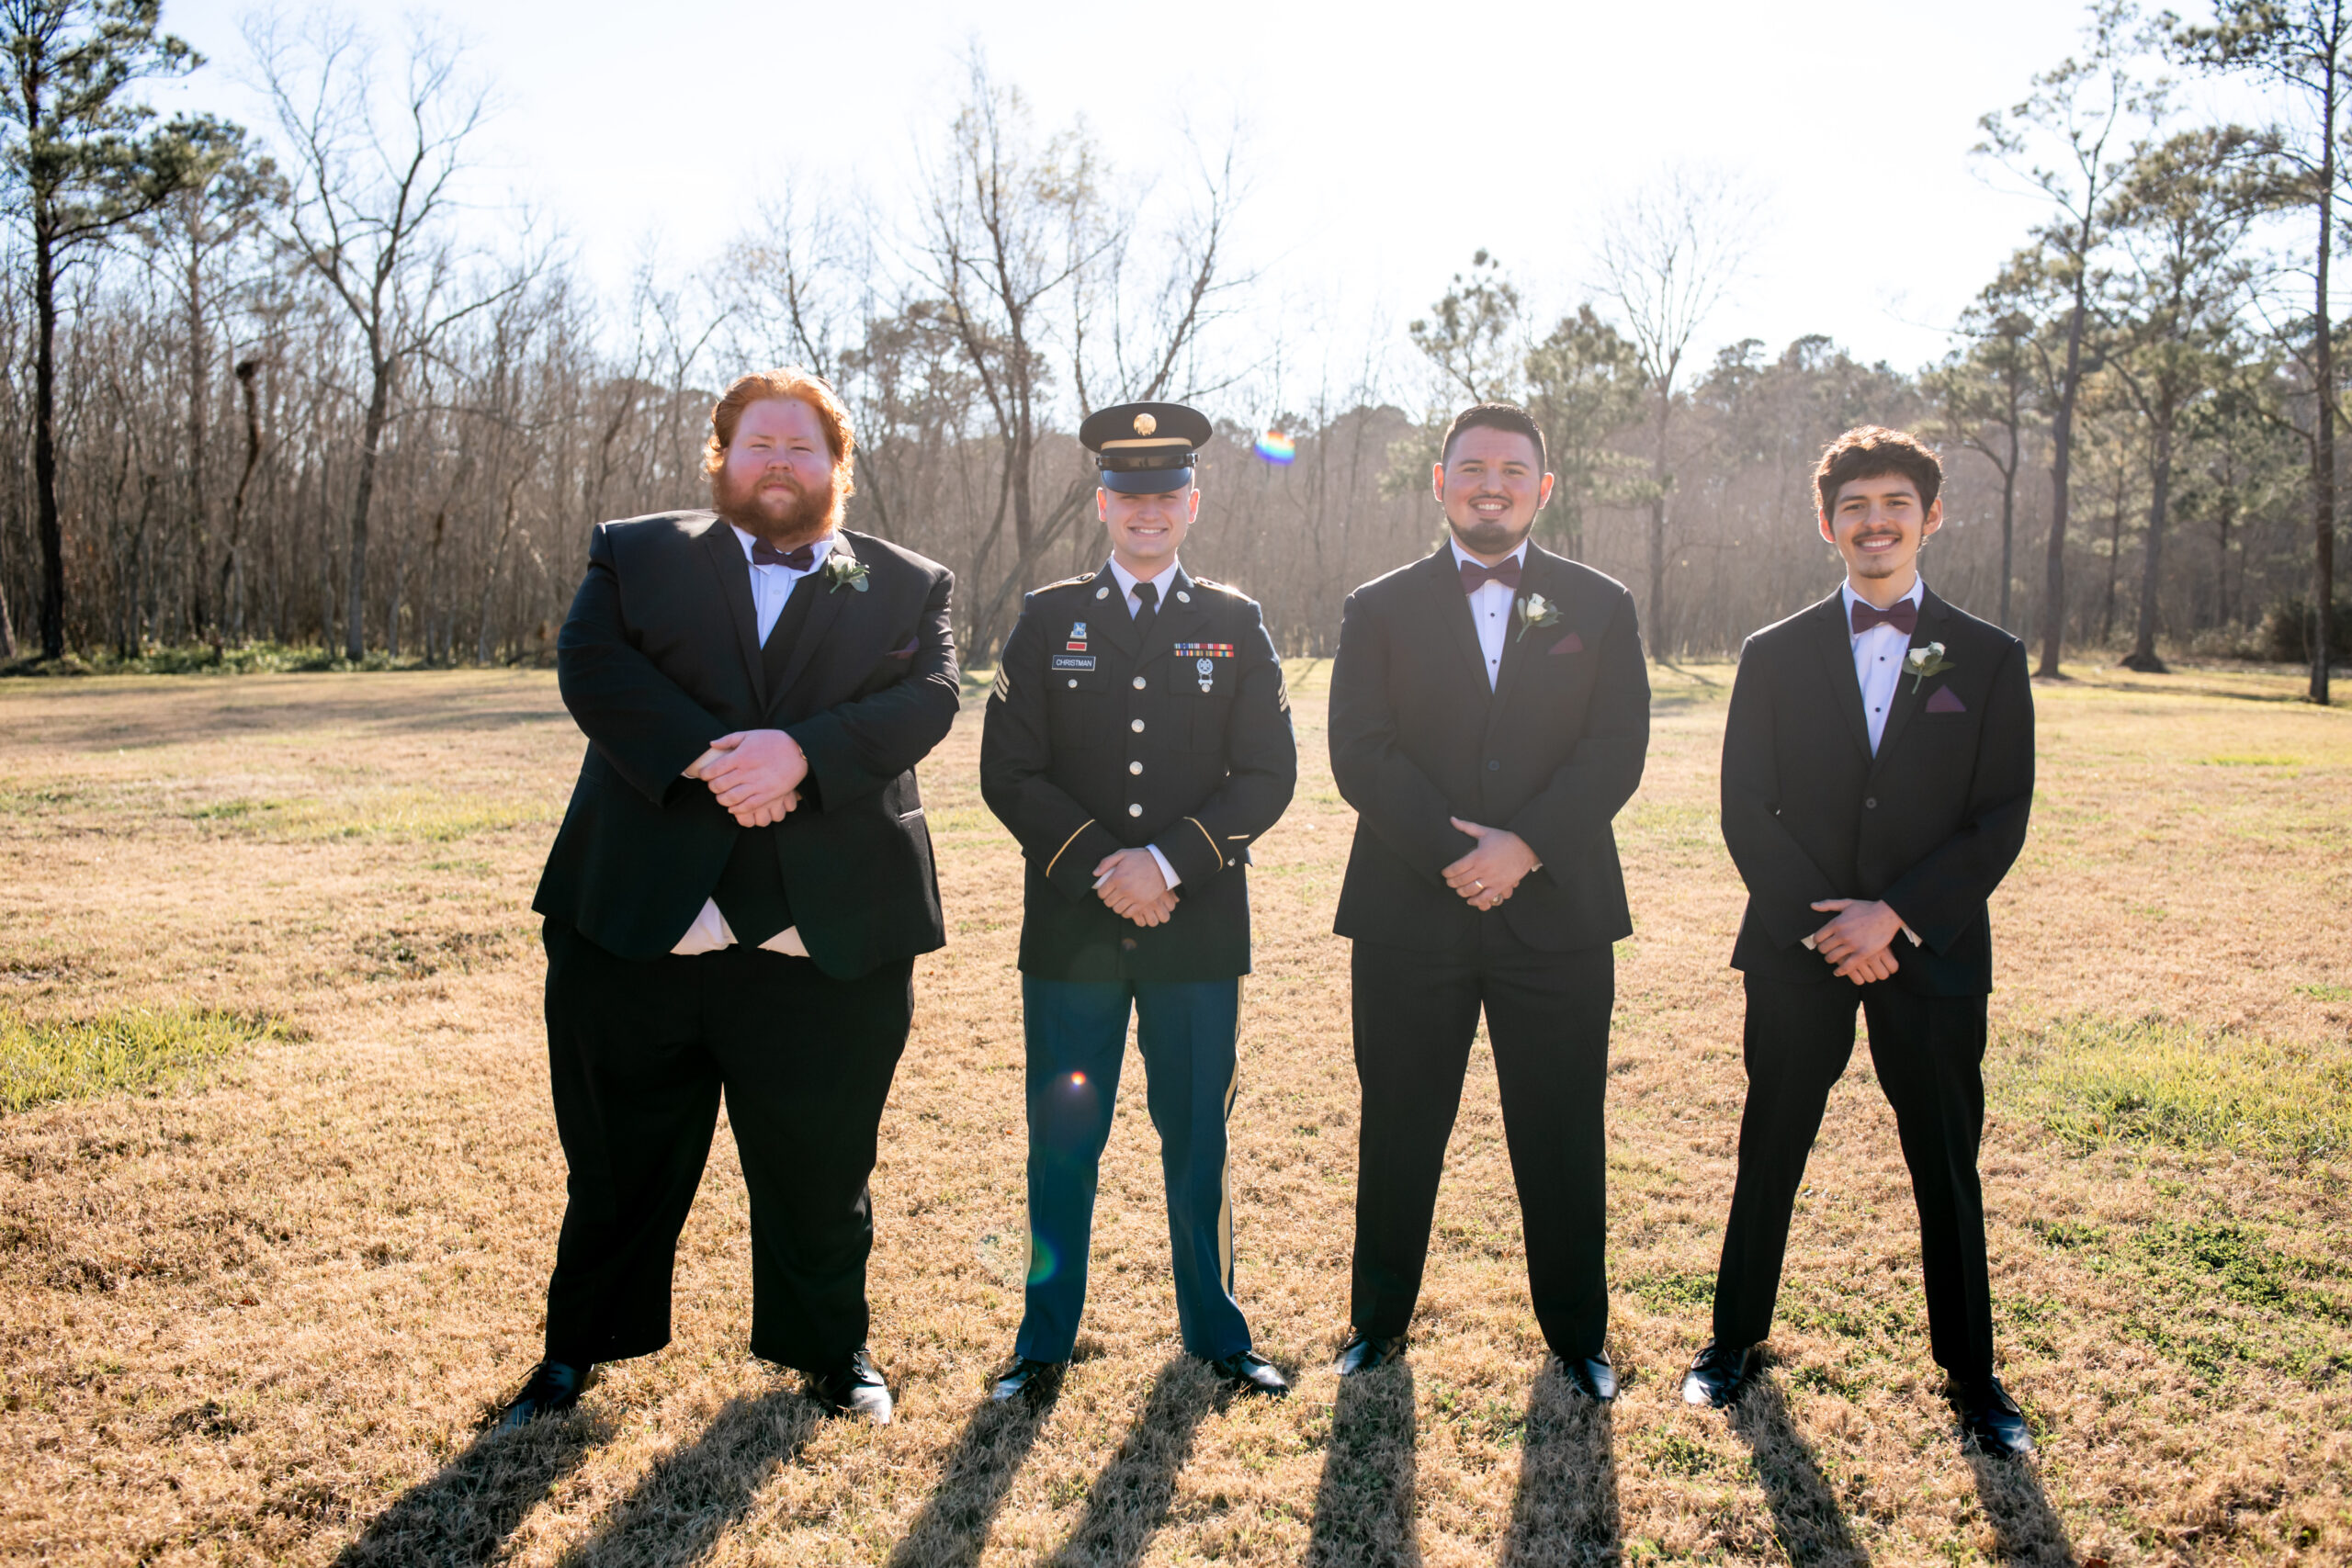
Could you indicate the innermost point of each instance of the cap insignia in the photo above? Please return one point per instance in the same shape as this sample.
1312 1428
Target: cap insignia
1145 424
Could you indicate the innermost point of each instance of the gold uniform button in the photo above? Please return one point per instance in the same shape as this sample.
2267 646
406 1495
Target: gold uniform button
1138 683
1135 767
1135 810
1135 725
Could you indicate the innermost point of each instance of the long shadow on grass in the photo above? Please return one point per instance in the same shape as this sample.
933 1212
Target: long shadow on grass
2026 1528
677 1511
1364 1510
463 1516
1805 1516
954 1525
1566 1510
1130 1499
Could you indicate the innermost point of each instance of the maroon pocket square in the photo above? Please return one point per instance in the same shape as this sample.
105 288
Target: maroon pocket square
1568 644
1946 701
906 652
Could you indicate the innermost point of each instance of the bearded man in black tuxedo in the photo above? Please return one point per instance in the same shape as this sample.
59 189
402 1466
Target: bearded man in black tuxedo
1489 715
739 891
1878 772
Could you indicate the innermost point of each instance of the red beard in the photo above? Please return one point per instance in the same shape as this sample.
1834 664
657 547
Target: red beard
786 516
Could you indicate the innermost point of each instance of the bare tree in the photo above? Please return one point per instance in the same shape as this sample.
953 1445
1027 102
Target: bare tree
2080 117
1668 257
372 195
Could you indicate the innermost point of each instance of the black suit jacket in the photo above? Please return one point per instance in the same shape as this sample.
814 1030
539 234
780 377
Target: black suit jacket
1930 825
1101 737
1551 752
660 656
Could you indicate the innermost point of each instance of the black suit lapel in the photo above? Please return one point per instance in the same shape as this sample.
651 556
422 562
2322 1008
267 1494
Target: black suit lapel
1115 623
1834 641
725 552
1452 608
1906 701
1535 577
830 592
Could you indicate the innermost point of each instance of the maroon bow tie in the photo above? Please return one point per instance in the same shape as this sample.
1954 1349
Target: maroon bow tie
800 559
1475 576
1904 618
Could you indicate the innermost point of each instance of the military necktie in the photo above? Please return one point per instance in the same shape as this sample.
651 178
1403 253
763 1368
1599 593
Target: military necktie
1146 607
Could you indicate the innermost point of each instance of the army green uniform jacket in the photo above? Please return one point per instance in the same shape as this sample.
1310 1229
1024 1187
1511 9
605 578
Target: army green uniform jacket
1100 739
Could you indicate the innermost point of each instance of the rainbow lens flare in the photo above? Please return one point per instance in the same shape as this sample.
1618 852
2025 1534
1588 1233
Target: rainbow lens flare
1277 448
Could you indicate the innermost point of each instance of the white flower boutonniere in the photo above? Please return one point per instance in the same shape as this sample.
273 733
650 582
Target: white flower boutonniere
1534 610
1923 662
841 570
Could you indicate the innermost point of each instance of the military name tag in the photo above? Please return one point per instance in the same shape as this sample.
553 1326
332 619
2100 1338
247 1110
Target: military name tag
1073 661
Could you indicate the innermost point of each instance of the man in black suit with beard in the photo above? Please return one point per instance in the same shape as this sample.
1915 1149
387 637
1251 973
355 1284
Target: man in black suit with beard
1489 715
737 895
1878 770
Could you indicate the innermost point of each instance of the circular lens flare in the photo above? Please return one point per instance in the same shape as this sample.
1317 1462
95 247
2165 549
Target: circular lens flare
1041 1259
1277 448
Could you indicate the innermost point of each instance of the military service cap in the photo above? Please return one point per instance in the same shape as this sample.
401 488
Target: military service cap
1145 449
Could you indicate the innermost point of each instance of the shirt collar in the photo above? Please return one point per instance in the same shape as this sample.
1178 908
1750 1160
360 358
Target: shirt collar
1918 595
1128 579
820 549
1460 554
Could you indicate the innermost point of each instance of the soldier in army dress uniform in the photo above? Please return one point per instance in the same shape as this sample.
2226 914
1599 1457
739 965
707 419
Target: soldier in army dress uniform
1138 741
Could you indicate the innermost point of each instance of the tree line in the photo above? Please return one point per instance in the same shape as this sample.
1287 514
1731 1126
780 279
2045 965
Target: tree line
283 384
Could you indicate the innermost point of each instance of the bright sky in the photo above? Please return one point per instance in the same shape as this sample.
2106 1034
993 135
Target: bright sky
1367 134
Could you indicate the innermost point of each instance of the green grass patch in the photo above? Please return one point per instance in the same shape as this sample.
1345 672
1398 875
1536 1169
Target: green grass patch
2094 1080
2253 760
2325 993
119 1053
1681 1289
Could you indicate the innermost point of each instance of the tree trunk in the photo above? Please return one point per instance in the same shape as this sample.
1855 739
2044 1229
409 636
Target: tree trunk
200 366
1658 536
2142 656
2323 447
355 612
53 539
2114 558
2061 464
2009 517
231 564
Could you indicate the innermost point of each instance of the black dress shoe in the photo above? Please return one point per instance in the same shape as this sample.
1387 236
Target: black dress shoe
852 1387
1363 1352
1718 1374
1592 1373
552 1386
1030 1379
1250 1372
1992 1419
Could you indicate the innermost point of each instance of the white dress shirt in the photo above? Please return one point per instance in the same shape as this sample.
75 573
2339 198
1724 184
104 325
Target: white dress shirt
1878 659
1490 609
771 586
1127 581
1878 667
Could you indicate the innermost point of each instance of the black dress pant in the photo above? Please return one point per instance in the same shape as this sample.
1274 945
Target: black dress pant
1547 1017
640 1053
1929 1053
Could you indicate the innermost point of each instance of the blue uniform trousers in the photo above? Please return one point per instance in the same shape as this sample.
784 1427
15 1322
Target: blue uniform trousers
1077 1032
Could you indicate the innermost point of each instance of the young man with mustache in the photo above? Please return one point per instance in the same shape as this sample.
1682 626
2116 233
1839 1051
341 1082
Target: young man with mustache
1490 716
739 891
1878 772
1139 742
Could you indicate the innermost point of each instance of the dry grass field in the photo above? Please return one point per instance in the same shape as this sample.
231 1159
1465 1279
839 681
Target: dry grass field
259 1292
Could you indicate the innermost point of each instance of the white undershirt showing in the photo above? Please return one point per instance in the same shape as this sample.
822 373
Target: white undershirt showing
1878 667
771 587
1490 609
1878 659
1127 581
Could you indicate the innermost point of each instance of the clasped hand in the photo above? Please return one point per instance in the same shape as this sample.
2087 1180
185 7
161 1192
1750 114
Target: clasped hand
1491 872
1129 881
755 773
1860 941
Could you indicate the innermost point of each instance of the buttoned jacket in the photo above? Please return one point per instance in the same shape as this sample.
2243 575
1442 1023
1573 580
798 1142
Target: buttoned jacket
1930 824
1551 751
1101 737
